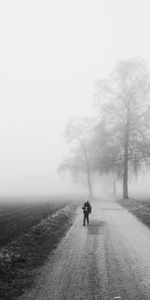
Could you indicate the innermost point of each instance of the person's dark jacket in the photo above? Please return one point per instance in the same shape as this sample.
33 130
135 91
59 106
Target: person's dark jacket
87 208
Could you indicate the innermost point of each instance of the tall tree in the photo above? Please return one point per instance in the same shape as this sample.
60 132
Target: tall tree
124 103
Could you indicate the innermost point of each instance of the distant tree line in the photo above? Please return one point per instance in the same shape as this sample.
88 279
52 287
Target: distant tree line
117 140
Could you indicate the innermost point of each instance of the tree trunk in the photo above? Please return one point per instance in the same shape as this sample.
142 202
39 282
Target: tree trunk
125 180
125 163
114 187
87 167
89 184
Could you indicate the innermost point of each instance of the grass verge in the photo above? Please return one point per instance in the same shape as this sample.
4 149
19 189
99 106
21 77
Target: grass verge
17 218
20 259
140 208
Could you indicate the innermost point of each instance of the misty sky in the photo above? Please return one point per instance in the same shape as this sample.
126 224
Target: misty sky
51 52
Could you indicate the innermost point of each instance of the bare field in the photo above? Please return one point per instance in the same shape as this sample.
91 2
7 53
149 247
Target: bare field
16 218
29 232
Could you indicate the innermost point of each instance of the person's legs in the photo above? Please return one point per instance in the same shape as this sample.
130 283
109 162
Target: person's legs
83 219
88 219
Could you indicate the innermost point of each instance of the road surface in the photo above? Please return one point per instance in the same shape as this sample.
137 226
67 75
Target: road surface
109 259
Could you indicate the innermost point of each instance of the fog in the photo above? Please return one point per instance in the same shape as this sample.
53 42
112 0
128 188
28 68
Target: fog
50 56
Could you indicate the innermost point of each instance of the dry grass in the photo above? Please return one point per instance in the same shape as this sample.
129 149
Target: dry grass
140 208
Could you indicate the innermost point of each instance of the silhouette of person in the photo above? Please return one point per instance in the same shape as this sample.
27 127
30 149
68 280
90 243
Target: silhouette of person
86 211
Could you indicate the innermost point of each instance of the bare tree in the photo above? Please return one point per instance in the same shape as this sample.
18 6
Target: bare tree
78 133
106 153
124 103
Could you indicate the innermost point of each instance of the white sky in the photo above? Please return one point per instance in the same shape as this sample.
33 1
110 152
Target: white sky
51 52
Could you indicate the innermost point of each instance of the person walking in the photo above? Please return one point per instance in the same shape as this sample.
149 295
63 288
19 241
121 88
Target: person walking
87 209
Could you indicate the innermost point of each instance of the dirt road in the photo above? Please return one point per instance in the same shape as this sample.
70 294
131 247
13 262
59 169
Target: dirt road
109 259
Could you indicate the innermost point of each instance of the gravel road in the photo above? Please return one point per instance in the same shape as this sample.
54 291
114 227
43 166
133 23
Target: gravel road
109 259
